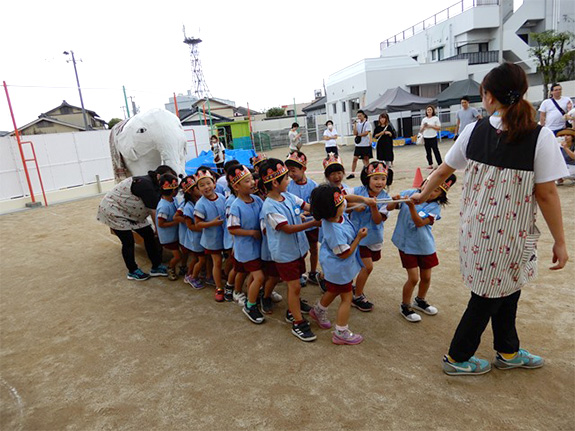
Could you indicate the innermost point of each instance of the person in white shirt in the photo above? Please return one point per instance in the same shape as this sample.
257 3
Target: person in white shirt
363 150
219 152
295 142
329 136
430 125
553 110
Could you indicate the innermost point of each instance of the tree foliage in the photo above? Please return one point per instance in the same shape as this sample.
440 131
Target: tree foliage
275 112
113 122
554 55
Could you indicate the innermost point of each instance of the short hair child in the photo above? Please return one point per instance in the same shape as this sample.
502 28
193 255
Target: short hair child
167 221
334 172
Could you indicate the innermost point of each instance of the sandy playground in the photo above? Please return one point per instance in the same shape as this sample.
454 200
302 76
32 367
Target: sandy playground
83 348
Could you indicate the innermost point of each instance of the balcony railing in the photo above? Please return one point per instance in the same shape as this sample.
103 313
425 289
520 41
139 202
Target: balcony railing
476 57
458 8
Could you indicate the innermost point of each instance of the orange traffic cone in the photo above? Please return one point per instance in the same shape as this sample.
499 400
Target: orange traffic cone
418 179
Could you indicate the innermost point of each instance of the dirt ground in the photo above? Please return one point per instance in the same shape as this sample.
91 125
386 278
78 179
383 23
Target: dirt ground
83 348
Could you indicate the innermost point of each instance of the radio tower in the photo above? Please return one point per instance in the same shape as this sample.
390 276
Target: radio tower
199 86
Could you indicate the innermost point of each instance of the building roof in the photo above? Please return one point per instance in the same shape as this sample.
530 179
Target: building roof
452 95
66 104
196 118
315 105
240 111
44 117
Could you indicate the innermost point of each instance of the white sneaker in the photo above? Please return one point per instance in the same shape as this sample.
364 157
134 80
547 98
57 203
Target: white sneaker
276 297
239 298
409 314
422 305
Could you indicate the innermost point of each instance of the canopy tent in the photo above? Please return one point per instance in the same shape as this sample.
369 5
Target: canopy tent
452 95
397 100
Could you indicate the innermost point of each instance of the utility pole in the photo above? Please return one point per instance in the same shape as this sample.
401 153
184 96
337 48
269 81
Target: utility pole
134 107
79 89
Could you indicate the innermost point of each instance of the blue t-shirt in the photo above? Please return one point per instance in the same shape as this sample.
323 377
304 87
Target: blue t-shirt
337 237
284 247
246 216
265 250
188 238
167 211
228 237
409 238
212 237
303 191
374 238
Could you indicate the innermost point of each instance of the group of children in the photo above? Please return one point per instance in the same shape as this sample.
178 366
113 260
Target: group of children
260 225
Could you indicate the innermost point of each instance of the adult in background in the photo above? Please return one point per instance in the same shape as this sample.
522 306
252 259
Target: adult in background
126 208
330 136
362 132
385 134
295 142
430 125
568 152
466 115
511 165
552 111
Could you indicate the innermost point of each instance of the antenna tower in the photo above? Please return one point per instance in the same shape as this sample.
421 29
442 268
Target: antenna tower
199 86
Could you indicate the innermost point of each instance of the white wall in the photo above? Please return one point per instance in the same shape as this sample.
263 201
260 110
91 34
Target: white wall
198 138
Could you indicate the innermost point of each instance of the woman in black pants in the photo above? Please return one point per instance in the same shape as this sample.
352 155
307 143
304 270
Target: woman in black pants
385 134
126 208
430 125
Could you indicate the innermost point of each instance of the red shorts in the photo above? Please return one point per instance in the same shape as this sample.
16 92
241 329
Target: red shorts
312 236
291 270
212 251
185 250
232 259
249 266
174 246
409 261
270 269
366 252
338 288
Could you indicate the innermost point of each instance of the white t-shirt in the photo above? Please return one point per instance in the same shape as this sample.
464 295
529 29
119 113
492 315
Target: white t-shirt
218 150
328 137
553 117
362 128
433 121
548 166
294 141
571 113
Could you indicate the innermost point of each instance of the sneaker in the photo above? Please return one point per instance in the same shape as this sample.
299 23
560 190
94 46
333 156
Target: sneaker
210 281
228 293
183 271
422 305
138 275
361 303
350 176
219 295
409 314
159 271
172 275
473 366
314 278
194 282
239 298
266 304
253 313
523 359
303 280
303 331
346 337
289 317
276 297
320 316
304 307
322 285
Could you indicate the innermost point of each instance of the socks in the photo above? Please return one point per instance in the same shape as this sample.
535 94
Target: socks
507 356
229 286
250 304
341 328
321 307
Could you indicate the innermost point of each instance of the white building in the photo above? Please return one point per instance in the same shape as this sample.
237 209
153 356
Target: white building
464 41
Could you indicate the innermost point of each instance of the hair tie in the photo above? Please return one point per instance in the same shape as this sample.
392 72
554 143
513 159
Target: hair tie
513 97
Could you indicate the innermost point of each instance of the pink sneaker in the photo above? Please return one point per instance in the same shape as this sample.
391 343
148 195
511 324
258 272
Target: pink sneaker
346 337
320 316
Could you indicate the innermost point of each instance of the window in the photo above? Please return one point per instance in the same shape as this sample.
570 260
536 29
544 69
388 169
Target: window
434 55
415 57
343 108
443 86
334 106
354 105
440 53
524 38
414 89
484 47
65 110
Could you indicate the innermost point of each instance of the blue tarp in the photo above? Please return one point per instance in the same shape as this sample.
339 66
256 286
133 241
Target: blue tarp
206 158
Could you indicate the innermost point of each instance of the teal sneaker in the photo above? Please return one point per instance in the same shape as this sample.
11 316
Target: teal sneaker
523 359
138 275
472 367
159 271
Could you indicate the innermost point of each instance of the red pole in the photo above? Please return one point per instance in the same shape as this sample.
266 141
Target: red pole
19 143
176 105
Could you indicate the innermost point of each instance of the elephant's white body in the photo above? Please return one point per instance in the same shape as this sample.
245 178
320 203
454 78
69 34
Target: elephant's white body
145 141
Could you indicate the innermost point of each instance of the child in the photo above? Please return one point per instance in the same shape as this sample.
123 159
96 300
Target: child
210 213
190 239
339 257
330 137
167 221
416 245
244 225
228 250
302 187
219 152
334 172
287 243
374 179
255 161
222 181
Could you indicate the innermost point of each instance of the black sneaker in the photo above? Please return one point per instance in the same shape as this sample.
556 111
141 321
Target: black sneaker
350 176
361 303
303 331
289 317
313 278
183 271
409 314
253 313
266 304
304 307
229 293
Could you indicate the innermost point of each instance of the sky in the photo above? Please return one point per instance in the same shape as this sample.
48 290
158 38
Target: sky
265 53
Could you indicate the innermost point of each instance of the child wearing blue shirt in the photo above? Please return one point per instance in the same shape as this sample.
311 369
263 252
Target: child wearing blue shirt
413 238
167 221
340 260
334 172
374 178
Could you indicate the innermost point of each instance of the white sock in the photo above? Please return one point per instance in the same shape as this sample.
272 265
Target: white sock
341 328
321 307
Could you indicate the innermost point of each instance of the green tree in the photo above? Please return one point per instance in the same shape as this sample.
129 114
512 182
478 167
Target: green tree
275 112
113 122
553 56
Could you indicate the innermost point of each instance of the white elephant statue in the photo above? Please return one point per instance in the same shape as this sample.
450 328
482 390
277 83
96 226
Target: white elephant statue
145 141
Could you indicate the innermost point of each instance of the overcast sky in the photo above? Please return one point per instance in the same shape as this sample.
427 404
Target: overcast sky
263 53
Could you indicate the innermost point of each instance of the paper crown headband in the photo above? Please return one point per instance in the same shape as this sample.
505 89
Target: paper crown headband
201 174
271 175
300 160
239 174
379 169
331 159
188 183
170 185
258 159
338 198
446 185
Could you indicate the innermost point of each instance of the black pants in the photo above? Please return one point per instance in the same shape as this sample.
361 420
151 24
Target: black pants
501 311
331 150
431 144
220 168
152 247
